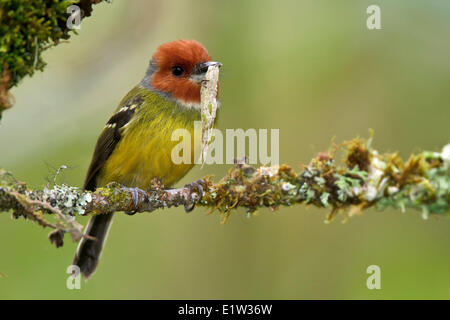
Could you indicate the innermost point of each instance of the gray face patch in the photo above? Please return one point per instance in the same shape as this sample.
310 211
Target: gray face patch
146 81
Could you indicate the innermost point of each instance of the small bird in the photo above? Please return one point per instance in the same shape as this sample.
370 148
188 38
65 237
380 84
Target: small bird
135 146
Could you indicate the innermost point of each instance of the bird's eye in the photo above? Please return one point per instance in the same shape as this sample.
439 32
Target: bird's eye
177 71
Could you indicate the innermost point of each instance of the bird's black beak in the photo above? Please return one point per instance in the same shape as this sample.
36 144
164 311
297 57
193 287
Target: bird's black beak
201 68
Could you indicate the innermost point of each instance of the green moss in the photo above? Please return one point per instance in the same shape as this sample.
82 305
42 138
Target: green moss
27 29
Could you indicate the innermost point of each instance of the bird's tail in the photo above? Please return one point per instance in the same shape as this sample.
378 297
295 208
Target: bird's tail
90 249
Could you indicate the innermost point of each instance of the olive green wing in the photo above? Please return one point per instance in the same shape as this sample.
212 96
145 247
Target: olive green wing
110 137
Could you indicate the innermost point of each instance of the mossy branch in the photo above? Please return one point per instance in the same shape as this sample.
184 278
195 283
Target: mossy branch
27 29
365 179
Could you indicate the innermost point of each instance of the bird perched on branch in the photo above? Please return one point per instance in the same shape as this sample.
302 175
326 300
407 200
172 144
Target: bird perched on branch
135 145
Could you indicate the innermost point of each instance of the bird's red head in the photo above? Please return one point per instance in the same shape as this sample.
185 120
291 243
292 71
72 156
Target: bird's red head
180 67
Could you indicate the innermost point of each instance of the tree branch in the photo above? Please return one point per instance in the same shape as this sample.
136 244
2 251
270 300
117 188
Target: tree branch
365 179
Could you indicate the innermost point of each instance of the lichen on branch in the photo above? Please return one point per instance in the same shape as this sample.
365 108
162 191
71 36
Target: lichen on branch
365 179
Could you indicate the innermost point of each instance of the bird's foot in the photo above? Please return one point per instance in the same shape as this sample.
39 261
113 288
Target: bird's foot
135 195
196 192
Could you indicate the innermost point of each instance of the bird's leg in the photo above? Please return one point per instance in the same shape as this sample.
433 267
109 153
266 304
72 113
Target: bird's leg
195 188
135 195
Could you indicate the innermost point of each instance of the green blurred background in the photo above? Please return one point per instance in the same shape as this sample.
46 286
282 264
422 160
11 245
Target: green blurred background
310 68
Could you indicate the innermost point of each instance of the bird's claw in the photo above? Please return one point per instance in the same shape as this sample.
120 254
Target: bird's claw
195 188
135 196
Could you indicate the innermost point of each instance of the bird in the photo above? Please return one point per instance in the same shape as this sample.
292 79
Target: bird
135 145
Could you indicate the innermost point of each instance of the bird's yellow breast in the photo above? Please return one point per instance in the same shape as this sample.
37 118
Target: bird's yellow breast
145 147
